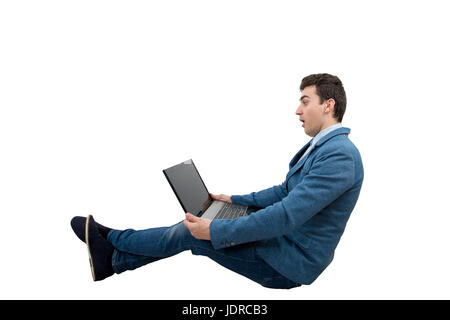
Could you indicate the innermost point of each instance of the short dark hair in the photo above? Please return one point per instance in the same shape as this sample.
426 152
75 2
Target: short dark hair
328 87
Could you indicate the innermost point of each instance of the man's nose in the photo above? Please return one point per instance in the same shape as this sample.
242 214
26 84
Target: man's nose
299 110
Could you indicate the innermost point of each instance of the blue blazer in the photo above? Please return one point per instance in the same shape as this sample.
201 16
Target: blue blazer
301 221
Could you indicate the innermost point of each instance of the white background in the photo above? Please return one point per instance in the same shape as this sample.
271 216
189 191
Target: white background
97 97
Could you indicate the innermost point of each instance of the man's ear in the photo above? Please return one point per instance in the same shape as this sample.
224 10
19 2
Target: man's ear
330 103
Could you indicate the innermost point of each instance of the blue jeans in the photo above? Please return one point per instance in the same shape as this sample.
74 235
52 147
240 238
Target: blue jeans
134 249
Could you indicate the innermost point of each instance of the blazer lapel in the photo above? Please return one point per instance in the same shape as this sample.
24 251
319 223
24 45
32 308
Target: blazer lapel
299 154
300 163
294 165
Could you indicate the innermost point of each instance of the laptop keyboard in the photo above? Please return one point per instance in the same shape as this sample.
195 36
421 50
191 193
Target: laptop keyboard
231 211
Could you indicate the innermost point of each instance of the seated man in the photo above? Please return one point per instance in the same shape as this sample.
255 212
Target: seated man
293 229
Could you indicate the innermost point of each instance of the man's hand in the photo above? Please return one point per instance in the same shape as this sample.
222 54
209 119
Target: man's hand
198 227
221 197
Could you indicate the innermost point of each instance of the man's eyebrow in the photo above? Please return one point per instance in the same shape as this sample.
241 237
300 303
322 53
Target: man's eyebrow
305 96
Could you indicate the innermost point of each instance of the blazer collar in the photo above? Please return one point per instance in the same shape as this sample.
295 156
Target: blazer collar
332 134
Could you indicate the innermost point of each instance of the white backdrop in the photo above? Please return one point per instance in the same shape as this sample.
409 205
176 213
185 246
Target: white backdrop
97 97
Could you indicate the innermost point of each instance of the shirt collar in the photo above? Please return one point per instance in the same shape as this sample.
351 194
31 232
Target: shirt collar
324 132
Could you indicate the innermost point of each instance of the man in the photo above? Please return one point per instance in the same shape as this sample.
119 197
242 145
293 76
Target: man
292 230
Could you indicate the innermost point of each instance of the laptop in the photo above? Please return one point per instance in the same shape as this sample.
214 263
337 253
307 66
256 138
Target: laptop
194 197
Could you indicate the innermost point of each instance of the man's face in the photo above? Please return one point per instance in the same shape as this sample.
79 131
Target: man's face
311 111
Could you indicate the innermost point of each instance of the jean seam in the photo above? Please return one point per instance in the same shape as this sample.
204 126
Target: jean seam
117 266
224 255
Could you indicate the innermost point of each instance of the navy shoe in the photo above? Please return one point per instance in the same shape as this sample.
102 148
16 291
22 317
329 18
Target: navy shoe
100 251
79 227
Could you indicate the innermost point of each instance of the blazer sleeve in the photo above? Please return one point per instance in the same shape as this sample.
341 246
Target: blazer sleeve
329 177
263 198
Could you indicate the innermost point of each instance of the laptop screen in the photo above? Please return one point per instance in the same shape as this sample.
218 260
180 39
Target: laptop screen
188 187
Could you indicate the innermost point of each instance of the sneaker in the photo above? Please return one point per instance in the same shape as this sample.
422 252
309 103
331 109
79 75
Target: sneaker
100 251
79 227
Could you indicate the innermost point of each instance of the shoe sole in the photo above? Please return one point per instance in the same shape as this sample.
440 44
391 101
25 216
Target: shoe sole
91 262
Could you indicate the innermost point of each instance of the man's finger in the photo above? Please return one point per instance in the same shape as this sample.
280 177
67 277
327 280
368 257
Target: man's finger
187 224
190 226
191 217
